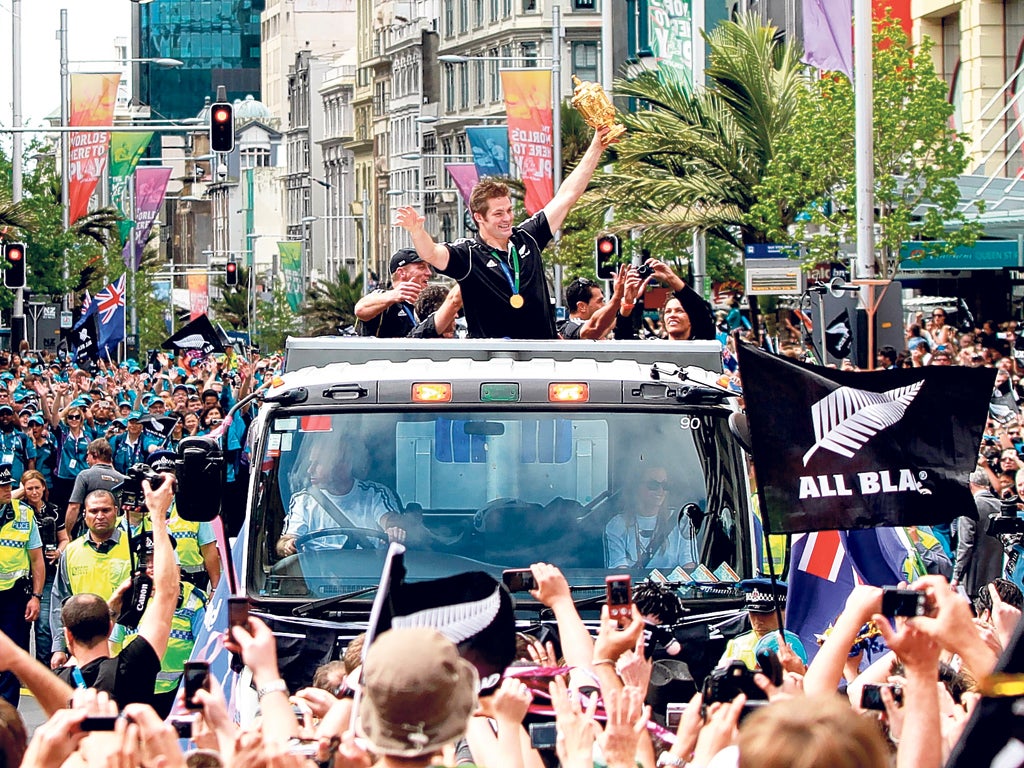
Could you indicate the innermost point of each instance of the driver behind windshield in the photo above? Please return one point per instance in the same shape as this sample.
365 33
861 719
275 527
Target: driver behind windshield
336 498
648 533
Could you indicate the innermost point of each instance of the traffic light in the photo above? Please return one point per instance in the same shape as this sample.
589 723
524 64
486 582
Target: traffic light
606 252
14 255
231 273
222 127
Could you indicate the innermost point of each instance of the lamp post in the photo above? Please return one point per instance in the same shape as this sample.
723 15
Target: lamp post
65 113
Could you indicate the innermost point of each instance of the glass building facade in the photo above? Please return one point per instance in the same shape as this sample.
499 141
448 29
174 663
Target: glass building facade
219 42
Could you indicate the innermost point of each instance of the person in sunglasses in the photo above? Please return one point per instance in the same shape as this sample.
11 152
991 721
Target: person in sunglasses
647 534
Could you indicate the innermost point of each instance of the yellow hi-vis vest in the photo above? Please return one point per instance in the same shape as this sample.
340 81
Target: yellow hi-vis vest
180 642
14 536
186 539
99 573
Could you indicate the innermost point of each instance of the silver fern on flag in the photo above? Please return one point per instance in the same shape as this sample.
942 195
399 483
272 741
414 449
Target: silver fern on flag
847 418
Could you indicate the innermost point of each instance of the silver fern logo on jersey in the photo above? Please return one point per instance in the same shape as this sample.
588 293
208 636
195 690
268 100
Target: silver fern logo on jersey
844 421
847 418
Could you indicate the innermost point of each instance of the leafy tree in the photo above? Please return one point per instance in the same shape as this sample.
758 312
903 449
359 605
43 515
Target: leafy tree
330 306
275 322
918 157
693 158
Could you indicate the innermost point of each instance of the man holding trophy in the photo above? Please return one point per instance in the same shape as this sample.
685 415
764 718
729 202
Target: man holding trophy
500 272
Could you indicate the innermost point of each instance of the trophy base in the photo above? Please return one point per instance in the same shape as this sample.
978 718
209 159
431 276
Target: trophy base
614 132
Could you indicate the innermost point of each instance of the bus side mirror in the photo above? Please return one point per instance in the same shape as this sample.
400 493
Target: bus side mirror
200 478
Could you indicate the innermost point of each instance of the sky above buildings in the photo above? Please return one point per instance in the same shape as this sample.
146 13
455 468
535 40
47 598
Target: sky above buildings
93 27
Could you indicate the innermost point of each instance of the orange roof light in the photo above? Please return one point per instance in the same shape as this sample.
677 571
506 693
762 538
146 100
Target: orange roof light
568 392
431 392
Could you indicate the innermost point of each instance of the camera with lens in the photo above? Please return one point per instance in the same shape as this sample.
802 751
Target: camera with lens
644 271
726 683
1006 522
132 494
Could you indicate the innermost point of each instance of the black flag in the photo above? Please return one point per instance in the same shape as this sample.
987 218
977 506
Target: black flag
839 337
159 427
82 340
198 339
843 450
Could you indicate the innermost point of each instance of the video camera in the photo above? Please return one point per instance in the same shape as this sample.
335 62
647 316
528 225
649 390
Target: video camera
726 683
132 494
1006 522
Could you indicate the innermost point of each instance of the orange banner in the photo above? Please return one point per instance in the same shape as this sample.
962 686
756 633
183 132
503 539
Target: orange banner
198 295
528 108
92 103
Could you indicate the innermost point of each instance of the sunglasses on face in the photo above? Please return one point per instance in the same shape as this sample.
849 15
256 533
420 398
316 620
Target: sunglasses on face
73 417
656 485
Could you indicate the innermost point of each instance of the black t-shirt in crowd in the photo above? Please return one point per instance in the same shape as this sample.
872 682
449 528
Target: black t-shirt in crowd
486 276
394 322
129 677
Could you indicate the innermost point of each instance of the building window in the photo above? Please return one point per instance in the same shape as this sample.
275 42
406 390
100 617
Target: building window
495 10
506 9
481 90
449 88
528 52
449 18
583 5
463 16
494 72
254 157
478 14
584 61
463 87
529 6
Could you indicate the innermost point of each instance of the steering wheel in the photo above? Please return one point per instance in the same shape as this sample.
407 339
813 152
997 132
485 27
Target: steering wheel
356 537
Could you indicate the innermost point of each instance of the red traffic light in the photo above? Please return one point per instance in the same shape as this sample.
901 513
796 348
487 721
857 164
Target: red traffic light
606 245
221 115
231 266
14 253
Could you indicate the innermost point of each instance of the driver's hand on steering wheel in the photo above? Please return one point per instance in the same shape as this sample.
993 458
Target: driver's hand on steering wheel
396 534
286 546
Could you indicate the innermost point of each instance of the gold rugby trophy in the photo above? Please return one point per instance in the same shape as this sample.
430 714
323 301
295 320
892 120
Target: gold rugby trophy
590 100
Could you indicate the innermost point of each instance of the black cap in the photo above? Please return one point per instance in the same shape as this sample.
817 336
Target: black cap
403 257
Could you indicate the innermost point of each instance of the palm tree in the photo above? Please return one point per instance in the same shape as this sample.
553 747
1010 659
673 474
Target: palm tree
99 226
692 158
15 216
330 306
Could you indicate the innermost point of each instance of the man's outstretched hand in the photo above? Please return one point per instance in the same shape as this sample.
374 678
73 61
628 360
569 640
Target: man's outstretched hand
408 218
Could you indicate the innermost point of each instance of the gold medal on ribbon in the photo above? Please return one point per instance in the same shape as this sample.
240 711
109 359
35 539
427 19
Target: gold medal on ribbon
516 301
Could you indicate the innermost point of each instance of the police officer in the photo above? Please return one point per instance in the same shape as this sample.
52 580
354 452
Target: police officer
22 575
97 562
763 619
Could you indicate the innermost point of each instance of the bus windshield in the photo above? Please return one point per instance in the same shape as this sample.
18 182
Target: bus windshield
592 492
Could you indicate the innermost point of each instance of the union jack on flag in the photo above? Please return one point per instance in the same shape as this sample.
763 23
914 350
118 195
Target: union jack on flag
109 300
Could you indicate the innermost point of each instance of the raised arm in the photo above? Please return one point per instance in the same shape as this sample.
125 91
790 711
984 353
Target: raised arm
598 324
575 185
435 254
155 626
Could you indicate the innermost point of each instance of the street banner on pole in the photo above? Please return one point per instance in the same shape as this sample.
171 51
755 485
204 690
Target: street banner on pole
198 295
92 103
465 177
490 149
840 450
150 186
125 151
828 36
670 36
530 132
290 252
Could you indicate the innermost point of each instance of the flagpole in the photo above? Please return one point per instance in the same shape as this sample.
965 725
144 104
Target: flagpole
864 138
766 526
133 269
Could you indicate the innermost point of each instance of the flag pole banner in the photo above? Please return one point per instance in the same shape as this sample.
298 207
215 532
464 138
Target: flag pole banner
528 108
838 450
150 187
828 35
92 103
198 295
290 255
465 177
126 149
489 144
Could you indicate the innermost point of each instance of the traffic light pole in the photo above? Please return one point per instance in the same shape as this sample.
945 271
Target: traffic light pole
18 313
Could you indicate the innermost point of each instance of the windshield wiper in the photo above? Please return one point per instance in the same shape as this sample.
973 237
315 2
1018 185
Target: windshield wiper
316 606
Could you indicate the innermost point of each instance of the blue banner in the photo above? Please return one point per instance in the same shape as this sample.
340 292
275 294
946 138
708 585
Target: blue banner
490 149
